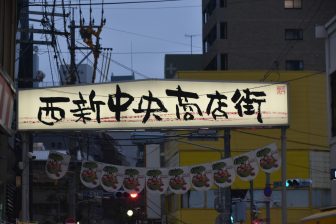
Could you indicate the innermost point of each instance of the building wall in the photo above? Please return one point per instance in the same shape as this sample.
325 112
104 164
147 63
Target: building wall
306 138
255 36
331 71
7 60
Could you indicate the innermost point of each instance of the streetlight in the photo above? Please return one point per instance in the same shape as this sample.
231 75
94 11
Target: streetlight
130 212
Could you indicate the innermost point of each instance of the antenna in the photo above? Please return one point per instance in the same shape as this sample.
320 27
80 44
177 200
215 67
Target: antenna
191 37
132 58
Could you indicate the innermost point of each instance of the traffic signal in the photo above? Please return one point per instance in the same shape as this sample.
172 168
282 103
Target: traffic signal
120 194
298 183
292 183
134 195
126 195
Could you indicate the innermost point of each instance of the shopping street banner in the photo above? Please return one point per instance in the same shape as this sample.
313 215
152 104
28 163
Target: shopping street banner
57 165
201 177
90 173
112 177
178 180
246 166
134 179
144 104
223 172
268 158
157 180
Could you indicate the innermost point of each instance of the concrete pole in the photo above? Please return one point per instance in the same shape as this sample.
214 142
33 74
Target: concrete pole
268 202
226 201
25 177
283 176
252 215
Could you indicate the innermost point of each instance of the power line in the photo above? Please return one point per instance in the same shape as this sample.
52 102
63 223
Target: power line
151 37
134 52
106 3
292 141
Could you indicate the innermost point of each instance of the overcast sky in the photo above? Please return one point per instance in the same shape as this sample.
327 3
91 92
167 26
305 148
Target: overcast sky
148 30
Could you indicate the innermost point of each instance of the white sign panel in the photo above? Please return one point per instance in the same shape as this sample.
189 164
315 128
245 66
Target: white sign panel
153 104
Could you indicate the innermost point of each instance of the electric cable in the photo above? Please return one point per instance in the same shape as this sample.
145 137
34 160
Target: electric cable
107 3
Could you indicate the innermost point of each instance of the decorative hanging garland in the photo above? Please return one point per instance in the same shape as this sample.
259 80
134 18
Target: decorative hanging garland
178 180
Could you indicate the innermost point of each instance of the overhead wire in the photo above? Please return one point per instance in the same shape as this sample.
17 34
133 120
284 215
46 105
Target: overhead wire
108 3
152 37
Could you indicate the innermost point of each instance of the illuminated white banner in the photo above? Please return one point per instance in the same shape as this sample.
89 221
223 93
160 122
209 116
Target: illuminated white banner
153 104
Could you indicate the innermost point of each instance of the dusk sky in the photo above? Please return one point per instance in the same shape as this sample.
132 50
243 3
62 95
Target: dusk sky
147 30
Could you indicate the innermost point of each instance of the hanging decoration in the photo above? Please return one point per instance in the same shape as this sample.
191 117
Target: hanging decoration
201 177
157 181
57 165
268 158
134 179
112 177
179 180
224 172
90 174
246 166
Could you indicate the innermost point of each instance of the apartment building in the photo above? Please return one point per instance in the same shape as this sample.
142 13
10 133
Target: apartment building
257 34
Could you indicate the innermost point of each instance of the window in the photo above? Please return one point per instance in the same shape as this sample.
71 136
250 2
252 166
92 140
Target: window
223 30
333 103
212 36
205 46
293 4
223 3
224 61
293 34
294 65
209 10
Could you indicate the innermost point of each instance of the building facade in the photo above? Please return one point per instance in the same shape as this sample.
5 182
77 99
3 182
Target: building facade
8 190
307 153
264 34
331 72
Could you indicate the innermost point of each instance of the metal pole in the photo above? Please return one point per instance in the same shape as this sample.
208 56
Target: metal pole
227 191
283 176
268 202
25 177
72 51
191 37
251 201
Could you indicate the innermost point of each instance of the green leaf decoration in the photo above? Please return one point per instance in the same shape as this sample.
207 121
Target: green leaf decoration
263 152
175 172
90 165
55 157
154 173
110 169
131 172
241 160
218 166
197 169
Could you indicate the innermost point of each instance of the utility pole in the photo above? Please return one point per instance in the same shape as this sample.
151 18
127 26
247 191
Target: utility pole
226 192
25 177
252 207
72 79
268 203
191 37
283 176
